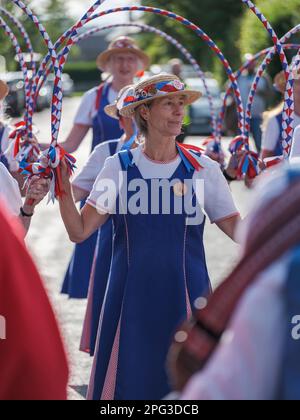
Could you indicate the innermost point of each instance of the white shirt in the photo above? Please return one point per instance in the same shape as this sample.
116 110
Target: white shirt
295 151
271 134
87 176
218 202
87 109
246 364
9 191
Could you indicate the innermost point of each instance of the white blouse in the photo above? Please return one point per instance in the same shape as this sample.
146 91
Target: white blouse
87 109
271 134
87 176
216 200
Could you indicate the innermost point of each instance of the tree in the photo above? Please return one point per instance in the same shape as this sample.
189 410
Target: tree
283 16
216 17
53 15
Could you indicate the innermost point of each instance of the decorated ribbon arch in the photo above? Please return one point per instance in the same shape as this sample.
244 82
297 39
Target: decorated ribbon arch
188 56
256 57
23 33
288 108
57 94
249 158
8 31
72 34
48 164
168 38
288 111
249 163
23 148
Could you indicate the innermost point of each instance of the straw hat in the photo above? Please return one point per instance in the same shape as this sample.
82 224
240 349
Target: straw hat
114 109
157 87
122 44
4 90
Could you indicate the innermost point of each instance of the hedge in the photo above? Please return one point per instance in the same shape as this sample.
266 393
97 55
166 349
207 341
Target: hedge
83 73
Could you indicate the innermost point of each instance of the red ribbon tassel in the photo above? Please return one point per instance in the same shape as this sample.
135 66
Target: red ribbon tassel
193 161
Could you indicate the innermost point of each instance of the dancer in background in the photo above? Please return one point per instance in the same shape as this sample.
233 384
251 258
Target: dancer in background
122 60
82 186
272 127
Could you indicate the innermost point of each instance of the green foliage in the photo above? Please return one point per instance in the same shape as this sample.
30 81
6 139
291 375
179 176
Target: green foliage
215 17
282 14
83 72
55 19
229 23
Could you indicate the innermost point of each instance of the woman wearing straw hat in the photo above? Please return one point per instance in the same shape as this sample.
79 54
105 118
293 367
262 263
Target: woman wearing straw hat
154 195
122 60
272 127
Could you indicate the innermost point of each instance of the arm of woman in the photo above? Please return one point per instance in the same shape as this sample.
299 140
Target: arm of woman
79 225
228 226
218 200
82 123
76 136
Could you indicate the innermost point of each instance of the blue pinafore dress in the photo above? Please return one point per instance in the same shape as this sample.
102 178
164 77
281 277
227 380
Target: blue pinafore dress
158 270
99 273
279 150
76 281
98 279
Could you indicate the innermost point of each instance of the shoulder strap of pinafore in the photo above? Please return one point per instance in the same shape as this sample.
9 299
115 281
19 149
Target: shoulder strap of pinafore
126 159
99 95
